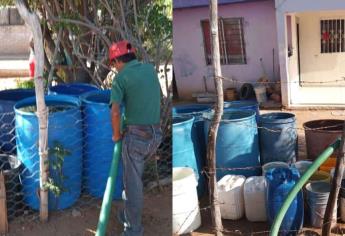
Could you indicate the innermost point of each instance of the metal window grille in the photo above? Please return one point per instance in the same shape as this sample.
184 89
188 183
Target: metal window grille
332 36
231 41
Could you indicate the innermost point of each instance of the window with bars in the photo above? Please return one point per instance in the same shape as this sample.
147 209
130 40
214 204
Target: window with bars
231 41
332 36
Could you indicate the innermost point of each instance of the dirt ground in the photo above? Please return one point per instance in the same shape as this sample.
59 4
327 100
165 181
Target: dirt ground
244 227
156 219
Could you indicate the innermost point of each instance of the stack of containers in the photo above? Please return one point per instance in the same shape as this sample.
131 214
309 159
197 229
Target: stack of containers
197 136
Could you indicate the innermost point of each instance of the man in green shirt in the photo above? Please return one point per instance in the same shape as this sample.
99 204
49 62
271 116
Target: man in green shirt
137 88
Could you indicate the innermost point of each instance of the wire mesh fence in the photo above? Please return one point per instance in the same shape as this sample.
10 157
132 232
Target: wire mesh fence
80 153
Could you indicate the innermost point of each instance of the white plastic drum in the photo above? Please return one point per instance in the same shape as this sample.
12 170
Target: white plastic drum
186 212
230 192
254 198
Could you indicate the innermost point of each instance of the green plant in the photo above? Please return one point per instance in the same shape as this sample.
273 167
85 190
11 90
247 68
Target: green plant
26 84
56 158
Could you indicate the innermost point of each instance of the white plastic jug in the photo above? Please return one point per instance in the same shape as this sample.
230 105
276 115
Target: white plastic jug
254 198
230 192
186 212
260 93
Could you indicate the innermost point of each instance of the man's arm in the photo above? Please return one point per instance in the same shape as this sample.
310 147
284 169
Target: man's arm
115 121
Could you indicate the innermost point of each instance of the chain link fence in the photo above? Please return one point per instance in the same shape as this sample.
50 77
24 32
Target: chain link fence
79 157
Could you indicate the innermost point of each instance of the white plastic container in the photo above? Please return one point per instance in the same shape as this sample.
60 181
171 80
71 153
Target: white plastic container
254 198
273 164
260 93
186 212
230 192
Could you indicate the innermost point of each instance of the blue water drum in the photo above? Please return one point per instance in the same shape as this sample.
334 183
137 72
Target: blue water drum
7 100
280 181
243 105
198 137
278 137
73 89
237 148
183 147
99 146
65 149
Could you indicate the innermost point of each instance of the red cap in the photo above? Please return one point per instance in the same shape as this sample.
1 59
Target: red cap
119 49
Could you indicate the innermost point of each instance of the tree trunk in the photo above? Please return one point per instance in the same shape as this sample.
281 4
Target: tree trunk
32 20
336 183
212 134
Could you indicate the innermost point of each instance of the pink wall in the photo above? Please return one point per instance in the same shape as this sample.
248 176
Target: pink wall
188 48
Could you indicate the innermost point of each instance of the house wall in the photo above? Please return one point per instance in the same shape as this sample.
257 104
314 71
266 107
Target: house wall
14 41
314 66
188 51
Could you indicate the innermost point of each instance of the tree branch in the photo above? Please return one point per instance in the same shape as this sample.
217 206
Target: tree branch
32 20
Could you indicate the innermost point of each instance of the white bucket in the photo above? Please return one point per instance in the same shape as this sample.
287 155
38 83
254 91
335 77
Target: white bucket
302 166
186 212
230 192
255 198
260 93
273 164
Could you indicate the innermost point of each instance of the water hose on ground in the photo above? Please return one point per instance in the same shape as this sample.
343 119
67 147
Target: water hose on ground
109 190
299 185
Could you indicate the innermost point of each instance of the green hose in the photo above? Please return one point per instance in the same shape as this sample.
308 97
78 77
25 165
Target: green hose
109 190
299 185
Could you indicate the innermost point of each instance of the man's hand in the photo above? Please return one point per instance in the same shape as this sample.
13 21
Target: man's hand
117 137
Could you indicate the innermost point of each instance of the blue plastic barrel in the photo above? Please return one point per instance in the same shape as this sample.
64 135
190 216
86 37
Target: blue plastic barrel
279 183
243 105
64 136
7 100
74 89
198 137
99 147
183 148
278 137
237 148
